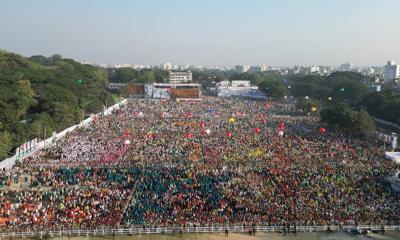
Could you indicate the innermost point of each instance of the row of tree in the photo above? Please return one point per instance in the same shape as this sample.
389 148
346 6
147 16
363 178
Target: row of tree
130 75
337 87
40 95
345 93
384 105
340 95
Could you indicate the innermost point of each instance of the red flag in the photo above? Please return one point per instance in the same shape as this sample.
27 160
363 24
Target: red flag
188 114
149 135
188 135
127 133
263 121
322 130
228 134
257 130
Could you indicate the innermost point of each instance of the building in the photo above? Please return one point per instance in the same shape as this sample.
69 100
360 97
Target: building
368 71
391 72
325 70
346 67
374 88
238 88
183 67
312 69
259 68
167 66
242 68
180 77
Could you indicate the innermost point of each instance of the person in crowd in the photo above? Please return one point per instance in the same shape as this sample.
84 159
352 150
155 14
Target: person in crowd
220 161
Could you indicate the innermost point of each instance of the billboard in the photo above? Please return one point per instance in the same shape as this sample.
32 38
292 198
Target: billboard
185 93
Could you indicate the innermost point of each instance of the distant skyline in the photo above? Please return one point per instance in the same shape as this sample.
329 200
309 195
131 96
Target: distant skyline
205 32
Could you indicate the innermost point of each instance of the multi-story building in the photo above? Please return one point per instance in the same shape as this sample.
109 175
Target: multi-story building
312 69
259 68
183 67
346 67
180 77
392 71
167 66
242 68
368 71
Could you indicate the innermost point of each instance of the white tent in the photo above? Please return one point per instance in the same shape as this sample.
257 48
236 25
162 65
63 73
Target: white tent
395 156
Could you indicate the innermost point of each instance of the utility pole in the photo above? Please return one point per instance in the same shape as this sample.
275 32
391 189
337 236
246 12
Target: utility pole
83 115
45 134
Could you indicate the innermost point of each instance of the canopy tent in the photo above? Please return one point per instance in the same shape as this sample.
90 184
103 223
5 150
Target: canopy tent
395 156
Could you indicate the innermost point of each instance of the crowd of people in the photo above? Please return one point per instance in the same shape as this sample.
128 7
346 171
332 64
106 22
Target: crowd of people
219 161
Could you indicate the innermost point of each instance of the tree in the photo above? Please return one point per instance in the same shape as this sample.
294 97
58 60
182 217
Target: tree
122 75
365 124
5 144
350 92
42 122
374 101
306 105
343 117
63 114
273 88
341 86
339 116
304 89
309 85
146 76
384 105
47 93
22 97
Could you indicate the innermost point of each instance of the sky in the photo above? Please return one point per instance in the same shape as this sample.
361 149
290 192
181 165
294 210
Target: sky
205 32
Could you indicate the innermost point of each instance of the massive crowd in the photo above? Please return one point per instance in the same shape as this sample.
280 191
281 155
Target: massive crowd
219 161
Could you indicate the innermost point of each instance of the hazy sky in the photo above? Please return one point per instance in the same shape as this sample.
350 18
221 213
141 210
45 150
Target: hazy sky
205 32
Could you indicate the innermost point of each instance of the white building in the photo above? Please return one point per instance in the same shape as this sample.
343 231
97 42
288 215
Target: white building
368 71
259 68
167 66
312 69
240 83
346 67
238 88
180 77
183 67
242 68
391 72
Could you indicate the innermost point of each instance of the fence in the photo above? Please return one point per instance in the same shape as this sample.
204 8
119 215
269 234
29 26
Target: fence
211 229
10 162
